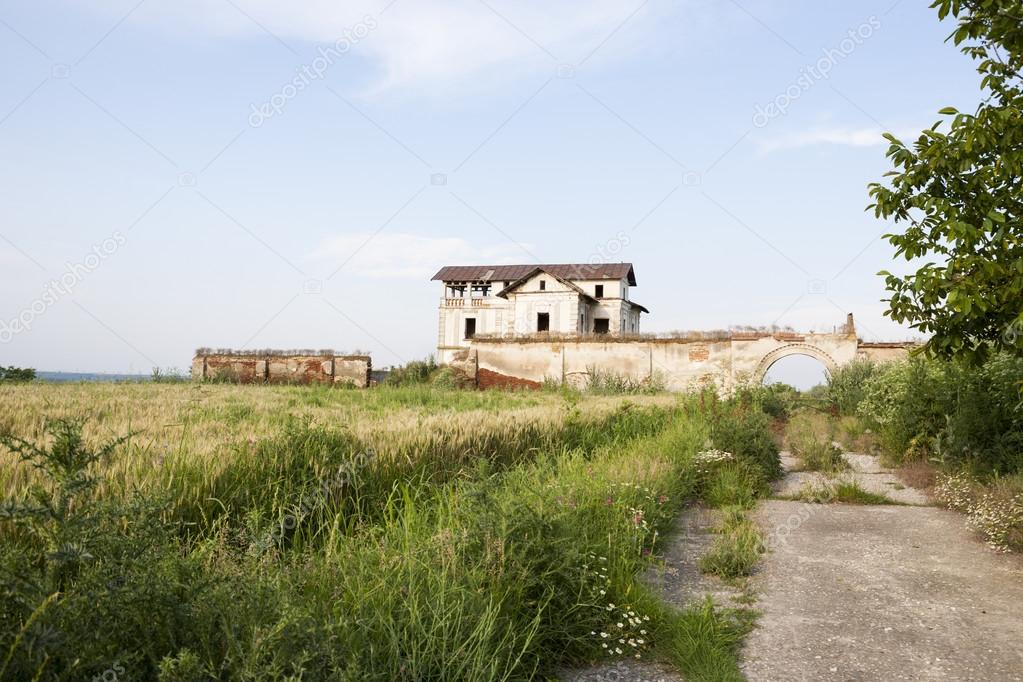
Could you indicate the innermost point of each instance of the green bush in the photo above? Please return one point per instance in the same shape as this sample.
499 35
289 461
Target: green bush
449 378
846 385
732 483
961 414
746 433
777 400
412 373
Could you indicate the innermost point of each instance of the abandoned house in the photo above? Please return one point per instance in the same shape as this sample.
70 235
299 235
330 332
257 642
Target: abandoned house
526 300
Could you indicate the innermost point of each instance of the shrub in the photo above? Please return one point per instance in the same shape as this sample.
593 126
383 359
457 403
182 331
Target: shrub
963 415
80 575
984 425
846 385
746 433
728 482
776 400
168 375
412 373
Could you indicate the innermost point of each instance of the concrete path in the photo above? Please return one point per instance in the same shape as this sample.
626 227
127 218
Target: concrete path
881 593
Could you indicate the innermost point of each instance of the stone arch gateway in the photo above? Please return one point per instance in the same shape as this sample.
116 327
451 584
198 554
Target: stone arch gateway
789 350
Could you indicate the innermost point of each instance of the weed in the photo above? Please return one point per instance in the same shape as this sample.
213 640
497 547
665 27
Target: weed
809 436
840 492
736 549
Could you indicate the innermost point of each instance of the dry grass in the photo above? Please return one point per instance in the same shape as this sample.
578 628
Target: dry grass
206 425
856 437
918 474
809 435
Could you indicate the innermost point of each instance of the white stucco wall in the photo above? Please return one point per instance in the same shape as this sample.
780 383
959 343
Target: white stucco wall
680 365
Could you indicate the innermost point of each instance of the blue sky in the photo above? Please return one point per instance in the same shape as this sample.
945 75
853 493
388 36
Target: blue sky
136 168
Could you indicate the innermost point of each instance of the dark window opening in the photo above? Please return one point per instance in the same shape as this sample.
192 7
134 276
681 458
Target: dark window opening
601 326
600 291
543 322
470 327
543 285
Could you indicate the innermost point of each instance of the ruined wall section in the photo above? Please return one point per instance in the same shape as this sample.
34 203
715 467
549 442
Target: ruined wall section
722 360
885 352
678 365
273 367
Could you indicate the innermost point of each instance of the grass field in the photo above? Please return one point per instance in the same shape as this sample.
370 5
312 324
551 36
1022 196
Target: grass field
244 532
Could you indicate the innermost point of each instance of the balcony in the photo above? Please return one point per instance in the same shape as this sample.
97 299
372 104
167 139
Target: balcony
471 302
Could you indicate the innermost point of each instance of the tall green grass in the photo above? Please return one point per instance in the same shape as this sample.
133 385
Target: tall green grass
468 567
347 482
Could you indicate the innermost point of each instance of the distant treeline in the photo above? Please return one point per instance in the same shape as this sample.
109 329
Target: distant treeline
13 374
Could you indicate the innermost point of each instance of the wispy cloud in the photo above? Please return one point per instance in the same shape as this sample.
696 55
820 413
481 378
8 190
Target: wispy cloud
845 137
837 136
410 255
427 44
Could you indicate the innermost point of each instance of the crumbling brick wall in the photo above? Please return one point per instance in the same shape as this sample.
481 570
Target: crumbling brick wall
281 367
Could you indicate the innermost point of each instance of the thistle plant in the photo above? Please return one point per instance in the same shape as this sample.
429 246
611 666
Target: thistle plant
58 512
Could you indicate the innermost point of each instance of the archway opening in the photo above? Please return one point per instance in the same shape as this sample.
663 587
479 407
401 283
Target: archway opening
802 372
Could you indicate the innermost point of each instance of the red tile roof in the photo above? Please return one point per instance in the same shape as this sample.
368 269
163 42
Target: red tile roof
509 273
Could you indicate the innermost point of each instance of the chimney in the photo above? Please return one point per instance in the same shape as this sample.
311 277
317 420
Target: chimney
850 327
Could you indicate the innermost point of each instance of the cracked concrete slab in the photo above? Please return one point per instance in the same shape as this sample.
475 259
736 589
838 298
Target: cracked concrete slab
624 671
858 593
865 470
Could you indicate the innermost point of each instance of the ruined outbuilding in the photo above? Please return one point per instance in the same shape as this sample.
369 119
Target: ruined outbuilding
282 367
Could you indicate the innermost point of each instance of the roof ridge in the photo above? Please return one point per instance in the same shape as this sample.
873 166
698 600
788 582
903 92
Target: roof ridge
622 269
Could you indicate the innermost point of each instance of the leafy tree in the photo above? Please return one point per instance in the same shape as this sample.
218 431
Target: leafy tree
960 196
16 375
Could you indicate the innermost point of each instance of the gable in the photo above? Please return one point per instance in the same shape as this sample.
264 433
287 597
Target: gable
530 284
